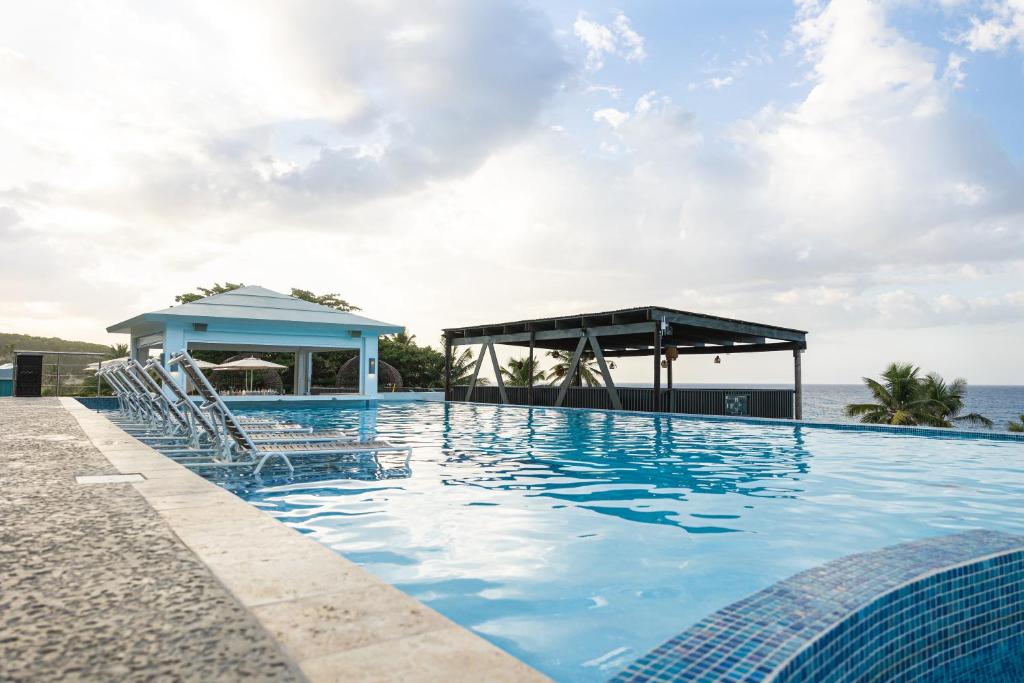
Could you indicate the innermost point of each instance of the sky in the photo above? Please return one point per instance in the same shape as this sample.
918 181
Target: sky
853 168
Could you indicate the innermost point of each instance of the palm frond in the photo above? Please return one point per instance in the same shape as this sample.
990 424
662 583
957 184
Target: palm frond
974 419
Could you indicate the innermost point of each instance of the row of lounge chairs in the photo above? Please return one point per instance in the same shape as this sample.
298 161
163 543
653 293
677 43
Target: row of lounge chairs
154 408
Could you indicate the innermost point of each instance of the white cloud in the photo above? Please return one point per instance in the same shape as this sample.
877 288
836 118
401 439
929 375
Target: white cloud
612 117
1000 29
954 75
611 91
631 41
713 83
600 41
363 149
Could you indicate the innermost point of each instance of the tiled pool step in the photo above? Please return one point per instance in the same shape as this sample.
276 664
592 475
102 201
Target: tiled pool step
898 614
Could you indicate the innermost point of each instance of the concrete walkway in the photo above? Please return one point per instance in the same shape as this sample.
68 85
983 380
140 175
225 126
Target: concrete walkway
93 584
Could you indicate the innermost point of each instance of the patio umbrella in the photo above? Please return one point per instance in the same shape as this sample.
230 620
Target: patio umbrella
248 365
93 367
203 364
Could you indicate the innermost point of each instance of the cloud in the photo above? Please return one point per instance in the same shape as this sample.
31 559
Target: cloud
600 41
1000 29
361 147
713 83
954 75
284 103
613 117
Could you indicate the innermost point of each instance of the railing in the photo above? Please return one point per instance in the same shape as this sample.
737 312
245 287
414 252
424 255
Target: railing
769 403
59 373
382 389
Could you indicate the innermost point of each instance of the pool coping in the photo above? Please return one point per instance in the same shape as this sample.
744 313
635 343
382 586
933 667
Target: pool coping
913 430
334 620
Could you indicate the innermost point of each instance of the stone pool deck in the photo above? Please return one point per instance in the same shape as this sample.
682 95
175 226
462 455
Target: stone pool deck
174 578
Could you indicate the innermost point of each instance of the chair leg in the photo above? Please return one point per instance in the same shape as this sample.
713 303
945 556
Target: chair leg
263 460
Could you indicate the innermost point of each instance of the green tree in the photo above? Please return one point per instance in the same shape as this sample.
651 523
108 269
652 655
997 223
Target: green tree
462 368
330 300
518 371
189 297
587 372
897 399
946 402
1016 426
903 397
420 366
117 351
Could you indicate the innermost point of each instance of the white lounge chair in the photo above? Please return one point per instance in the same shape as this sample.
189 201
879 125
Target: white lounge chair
248 450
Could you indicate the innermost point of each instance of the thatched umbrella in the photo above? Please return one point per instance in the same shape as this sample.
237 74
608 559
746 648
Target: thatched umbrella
348 374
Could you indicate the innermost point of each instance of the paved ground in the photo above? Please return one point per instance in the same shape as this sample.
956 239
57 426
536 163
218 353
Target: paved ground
93 584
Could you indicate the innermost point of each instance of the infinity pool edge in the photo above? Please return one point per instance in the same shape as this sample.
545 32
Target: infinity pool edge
333 619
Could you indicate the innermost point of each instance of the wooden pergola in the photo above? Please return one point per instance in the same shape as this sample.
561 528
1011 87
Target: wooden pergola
643 331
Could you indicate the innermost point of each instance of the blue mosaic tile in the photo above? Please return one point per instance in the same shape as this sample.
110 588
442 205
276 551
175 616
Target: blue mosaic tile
902 613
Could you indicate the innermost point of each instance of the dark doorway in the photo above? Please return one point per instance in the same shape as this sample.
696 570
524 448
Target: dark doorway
28 375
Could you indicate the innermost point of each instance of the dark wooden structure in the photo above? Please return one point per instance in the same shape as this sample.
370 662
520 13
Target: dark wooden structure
28 374
644 331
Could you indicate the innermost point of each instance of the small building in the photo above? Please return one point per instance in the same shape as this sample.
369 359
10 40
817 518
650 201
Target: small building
6 379
258 320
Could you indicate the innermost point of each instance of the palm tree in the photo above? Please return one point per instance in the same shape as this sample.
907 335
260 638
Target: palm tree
897 398
945 401
405 339
462 369
518 371
117 351
587 371
1016 426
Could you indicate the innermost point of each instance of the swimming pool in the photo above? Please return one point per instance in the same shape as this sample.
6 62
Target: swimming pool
577 540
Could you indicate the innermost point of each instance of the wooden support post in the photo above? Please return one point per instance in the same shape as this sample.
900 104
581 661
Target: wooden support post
529 385
613 393
447 368
657 367
497 374
476 370
798 386
570 371
671 394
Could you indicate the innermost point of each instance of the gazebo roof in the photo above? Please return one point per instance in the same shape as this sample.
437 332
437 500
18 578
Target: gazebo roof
258 304
628 332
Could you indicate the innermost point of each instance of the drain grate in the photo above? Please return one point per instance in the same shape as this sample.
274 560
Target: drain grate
108 478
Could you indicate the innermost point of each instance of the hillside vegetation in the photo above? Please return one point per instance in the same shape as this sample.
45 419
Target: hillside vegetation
9 342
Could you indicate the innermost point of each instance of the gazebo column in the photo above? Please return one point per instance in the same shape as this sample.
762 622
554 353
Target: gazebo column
798 385
174 343
369 364
529 381
671 391
447 368
303 372
656 407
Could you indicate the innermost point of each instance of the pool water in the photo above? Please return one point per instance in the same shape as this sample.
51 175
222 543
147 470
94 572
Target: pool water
577 540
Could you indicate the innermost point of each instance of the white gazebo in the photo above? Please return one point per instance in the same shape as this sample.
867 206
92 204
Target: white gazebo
255 319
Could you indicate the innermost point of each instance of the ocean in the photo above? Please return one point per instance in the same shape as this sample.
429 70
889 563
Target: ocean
825 402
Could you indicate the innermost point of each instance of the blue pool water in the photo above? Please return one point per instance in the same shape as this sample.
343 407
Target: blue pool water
577 540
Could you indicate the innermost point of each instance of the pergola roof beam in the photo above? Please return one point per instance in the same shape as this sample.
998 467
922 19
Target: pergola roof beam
726 325
743 348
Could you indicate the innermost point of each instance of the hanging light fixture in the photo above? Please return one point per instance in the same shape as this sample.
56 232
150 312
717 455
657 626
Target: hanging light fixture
718 360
